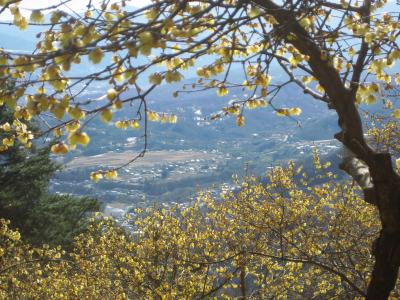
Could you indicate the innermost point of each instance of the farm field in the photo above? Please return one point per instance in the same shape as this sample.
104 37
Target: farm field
112 159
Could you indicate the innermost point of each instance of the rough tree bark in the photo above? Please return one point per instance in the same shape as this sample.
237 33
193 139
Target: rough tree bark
385 192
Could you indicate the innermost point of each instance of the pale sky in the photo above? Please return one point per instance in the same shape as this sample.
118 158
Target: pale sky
79 5
76 5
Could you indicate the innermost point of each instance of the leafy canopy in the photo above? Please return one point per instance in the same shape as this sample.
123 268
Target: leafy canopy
136 49
285 238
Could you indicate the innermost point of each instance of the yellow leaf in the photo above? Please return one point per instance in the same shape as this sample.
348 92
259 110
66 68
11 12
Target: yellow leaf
222 91
155 78
134 124
173 119
305 22
96 55
76 113
122 125
22 23
112 94
153 116
55 17
59 148
37 17
73 126
295 111
9 142
254 12
396 113
96 176
112 174
240 120
282 112
78 137
172 76
146 38
58 111
6 127
106 115
370 99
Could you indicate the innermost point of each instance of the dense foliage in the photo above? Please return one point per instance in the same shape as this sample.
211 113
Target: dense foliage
286 238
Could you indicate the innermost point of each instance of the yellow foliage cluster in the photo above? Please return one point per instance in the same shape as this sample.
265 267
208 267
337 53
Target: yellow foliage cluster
295 111
18 131
385 135
287 237
98 175
161 117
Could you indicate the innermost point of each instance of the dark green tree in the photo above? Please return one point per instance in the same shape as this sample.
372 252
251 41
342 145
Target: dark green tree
25 200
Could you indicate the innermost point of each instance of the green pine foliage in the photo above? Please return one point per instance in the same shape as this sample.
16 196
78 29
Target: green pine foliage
57 219
40 216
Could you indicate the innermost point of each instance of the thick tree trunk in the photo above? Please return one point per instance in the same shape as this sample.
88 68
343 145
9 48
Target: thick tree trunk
384 275
385 193
386 248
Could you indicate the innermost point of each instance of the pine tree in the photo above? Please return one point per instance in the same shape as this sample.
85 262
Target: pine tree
24 198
